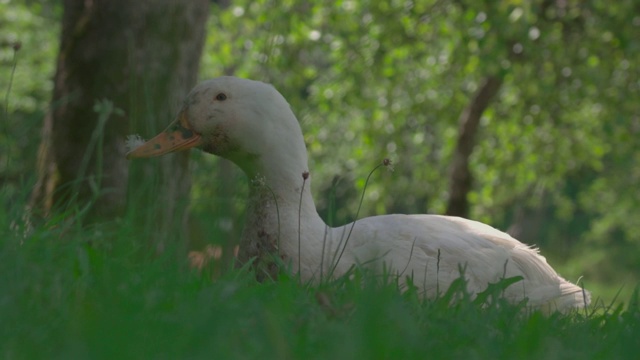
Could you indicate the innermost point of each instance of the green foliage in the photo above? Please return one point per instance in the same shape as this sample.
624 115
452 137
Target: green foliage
72 292
28 44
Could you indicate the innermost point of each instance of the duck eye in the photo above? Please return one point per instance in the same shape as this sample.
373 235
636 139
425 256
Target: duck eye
221 97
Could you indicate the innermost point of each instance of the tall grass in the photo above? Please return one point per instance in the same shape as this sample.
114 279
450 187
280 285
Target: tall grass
98 292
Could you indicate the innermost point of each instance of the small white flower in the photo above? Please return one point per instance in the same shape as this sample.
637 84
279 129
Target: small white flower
259 180
133 141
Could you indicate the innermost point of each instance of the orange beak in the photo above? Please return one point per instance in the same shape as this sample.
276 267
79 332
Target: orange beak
178 136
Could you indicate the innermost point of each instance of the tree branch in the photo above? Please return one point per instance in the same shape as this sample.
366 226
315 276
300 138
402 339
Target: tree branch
461 179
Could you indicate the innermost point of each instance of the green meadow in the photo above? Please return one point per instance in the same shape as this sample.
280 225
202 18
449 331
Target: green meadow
96 293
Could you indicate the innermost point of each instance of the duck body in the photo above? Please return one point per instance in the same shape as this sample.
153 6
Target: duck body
251 124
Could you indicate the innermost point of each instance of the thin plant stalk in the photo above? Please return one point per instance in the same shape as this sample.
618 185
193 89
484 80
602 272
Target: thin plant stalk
14 64
305 176
386 162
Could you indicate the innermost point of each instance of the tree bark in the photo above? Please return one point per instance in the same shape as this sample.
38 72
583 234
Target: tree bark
461 180
142 57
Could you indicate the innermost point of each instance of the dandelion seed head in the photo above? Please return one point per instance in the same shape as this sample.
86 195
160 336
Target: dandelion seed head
388 164
133 141
259 180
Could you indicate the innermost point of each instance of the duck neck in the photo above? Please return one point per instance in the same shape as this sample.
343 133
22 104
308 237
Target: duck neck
282 221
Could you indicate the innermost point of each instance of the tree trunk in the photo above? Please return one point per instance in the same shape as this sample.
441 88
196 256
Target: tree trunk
141 57
461 177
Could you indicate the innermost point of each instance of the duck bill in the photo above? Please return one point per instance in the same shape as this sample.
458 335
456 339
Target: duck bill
178 136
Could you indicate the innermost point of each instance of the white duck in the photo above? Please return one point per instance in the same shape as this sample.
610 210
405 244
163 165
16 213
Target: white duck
251 124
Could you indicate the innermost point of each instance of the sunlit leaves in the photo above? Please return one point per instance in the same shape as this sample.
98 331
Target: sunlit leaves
28 43
376 79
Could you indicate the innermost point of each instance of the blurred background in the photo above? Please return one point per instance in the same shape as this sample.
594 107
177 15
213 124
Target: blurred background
524 114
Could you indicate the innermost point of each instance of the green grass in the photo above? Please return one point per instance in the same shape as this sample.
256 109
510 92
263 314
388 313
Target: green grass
96 293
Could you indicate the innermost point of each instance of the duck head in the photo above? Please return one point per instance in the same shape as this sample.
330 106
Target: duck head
245 121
